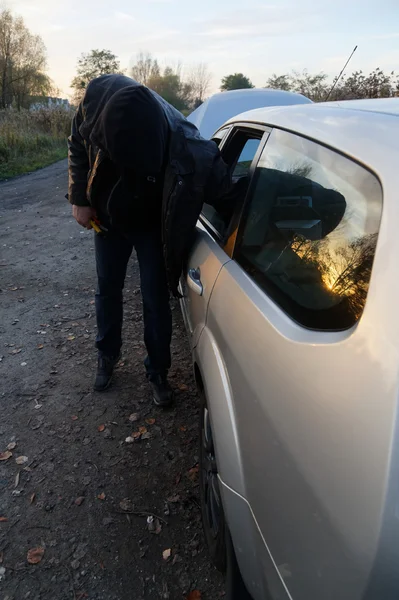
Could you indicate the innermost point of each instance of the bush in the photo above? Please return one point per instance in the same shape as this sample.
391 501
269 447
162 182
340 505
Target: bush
32 139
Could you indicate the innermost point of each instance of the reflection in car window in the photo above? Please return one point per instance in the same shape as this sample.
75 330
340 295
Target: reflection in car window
246 157
220 217
310 231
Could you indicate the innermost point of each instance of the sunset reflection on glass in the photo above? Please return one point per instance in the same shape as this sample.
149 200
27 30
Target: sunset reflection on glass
311 231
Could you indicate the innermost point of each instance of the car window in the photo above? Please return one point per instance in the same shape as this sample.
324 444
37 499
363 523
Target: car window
246 157
239 152
309 231
218 137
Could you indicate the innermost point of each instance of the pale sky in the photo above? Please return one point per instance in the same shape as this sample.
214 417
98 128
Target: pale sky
257 38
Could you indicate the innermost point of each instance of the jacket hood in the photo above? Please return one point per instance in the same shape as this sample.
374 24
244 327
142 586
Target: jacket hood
98 93
133 131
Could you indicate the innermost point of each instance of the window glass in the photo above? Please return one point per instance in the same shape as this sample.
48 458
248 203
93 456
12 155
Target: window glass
246 157
310 231
240 153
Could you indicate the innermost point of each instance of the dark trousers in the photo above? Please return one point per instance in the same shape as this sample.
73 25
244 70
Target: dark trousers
112 255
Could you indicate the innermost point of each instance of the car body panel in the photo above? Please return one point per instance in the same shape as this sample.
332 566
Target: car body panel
217 386
389 106
222 106
208 258
261 575
306 422
324 485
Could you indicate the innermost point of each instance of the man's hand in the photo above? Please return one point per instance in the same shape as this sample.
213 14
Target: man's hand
83 215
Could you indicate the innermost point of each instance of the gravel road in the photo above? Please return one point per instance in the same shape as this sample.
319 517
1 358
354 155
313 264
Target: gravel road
97 513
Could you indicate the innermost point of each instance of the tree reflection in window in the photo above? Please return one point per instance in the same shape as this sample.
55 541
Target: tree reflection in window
310 231
345 271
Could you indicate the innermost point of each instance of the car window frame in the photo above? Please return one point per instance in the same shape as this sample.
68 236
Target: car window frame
246 205
226 129
235 128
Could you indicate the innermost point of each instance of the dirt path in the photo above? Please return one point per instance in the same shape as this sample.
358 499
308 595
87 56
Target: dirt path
84 494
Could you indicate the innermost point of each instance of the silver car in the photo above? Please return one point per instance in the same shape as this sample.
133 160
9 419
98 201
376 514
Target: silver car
291 301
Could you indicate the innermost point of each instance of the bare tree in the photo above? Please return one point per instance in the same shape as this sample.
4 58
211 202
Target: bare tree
30 79
22 62
7 50
199 80
145 68
376 84
312 86
280 82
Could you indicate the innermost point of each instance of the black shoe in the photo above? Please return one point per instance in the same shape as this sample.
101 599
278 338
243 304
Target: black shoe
162 393
105 369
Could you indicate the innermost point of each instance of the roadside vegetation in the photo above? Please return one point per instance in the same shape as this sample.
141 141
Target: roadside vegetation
30 140
34 124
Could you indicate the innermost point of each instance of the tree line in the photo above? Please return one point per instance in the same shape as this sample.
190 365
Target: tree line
187 89
23 75
357 85
182 91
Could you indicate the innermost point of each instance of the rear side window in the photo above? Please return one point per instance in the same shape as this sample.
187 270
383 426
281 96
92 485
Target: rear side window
310 229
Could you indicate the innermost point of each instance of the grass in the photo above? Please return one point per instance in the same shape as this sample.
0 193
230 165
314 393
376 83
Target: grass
31 159
30 140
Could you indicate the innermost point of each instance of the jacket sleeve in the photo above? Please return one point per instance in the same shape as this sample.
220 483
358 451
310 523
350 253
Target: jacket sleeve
78 163
232 198
219 183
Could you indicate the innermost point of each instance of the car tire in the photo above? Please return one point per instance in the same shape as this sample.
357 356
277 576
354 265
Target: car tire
216 531
213 519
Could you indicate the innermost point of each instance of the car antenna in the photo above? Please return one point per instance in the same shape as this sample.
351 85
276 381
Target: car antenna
340 75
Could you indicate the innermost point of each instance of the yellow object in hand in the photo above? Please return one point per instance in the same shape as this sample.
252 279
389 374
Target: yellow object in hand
95 226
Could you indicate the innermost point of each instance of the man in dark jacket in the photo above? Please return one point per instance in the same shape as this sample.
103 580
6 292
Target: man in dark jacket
139 168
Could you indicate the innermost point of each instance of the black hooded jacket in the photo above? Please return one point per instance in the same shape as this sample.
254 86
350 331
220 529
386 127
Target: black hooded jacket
131 154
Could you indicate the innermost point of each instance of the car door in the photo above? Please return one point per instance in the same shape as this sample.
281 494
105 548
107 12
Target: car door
211 250
288 314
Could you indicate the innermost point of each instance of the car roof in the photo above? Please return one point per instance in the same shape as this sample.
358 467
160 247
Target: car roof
367 130
212 113
388 106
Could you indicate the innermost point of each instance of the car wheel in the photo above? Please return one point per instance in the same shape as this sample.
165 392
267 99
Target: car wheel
213 518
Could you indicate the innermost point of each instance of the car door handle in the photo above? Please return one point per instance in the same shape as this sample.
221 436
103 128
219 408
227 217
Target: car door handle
194 281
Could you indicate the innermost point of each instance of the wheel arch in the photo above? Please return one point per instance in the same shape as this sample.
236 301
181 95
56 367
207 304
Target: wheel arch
212 379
